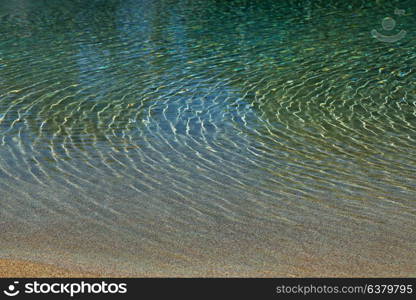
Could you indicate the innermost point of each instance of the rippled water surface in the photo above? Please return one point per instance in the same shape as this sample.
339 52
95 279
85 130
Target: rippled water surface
247 138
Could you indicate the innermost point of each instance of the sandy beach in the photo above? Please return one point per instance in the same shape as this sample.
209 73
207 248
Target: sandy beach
10 268
22 268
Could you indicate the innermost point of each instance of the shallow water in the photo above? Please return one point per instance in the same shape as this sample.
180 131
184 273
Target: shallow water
200 138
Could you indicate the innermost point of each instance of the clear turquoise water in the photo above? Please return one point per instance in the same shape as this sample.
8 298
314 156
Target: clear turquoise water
194 138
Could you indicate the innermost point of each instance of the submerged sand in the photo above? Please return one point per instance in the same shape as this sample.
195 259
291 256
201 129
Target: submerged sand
58 251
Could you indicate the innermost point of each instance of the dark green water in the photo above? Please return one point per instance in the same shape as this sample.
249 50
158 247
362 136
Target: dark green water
248 138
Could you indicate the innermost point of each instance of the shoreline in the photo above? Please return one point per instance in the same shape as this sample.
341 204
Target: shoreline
58 251
20 268
24 268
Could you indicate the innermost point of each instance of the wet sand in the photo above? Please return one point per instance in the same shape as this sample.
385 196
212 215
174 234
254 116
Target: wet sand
22 268
15 268
58 251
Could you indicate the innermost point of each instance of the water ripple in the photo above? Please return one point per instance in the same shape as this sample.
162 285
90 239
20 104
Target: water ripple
207 115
